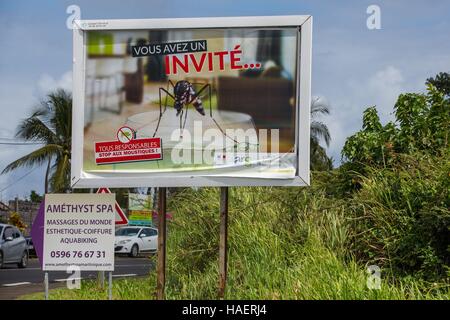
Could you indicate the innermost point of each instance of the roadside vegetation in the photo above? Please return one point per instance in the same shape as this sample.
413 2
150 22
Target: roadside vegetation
386 205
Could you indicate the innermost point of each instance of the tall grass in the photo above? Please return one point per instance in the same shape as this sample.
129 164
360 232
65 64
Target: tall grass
406 217
283 244
310 243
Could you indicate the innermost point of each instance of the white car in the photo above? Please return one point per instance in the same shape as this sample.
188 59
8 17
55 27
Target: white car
132 240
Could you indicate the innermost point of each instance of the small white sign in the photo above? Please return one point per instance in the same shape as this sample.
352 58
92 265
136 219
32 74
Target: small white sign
79 231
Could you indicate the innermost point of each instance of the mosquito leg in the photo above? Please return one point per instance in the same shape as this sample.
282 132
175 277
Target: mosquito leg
201 90
181 120
211 114
210 101
173 87
185 117
160 114
165 100
160 108
167 94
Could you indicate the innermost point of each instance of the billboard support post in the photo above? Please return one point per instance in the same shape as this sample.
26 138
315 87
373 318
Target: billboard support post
101 279
46 285
223 241
100 274
161 266
110 285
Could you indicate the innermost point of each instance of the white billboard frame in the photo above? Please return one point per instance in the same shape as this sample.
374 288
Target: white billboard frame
82 179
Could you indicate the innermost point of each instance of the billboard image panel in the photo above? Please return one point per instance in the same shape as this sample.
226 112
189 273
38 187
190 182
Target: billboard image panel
140 209
197 105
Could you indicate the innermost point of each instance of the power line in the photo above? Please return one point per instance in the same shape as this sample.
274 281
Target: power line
16 141
17 180
10 138
21 143
4 138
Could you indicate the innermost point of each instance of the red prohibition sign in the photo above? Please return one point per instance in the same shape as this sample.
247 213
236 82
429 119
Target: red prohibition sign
125 134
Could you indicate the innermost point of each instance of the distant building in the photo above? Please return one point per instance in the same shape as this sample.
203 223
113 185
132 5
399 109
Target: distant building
4 212
27 211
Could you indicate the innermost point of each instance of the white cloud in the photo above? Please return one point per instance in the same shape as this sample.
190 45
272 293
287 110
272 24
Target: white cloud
47 83
380 89
384 87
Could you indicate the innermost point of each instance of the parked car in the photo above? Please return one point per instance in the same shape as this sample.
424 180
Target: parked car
13 246
30 246
133 240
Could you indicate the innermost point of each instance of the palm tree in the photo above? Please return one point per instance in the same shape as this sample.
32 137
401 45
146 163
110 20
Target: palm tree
319 131
49 124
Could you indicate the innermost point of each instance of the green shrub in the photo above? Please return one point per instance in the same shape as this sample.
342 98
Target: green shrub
402 216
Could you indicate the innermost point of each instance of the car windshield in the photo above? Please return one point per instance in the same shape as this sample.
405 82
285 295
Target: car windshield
127 232
1 229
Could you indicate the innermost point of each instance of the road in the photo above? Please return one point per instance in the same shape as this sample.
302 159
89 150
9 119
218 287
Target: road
15 282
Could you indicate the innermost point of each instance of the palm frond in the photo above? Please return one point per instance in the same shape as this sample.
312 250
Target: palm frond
34 158
319 159
34 129
61 103
319 106
320 131
60 178
49 123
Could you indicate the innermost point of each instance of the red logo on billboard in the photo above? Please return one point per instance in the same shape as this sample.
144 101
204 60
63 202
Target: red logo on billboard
127 148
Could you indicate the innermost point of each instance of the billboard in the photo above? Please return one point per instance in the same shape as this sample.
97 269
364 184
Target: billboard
191 102
140 209
77 230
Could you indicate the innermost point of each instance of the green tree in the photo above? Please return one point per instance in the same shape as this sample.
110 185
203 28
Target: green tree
49 124
402 168
319 132
422 123
441 82
371 144
35 197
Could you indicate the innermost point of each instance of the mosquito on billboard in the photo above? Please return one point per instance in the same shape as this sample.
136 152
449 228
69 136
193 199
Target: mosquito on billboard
184 95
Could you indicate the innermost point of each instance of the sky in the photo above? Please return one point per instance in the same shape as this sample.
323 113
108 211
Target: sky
354 67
